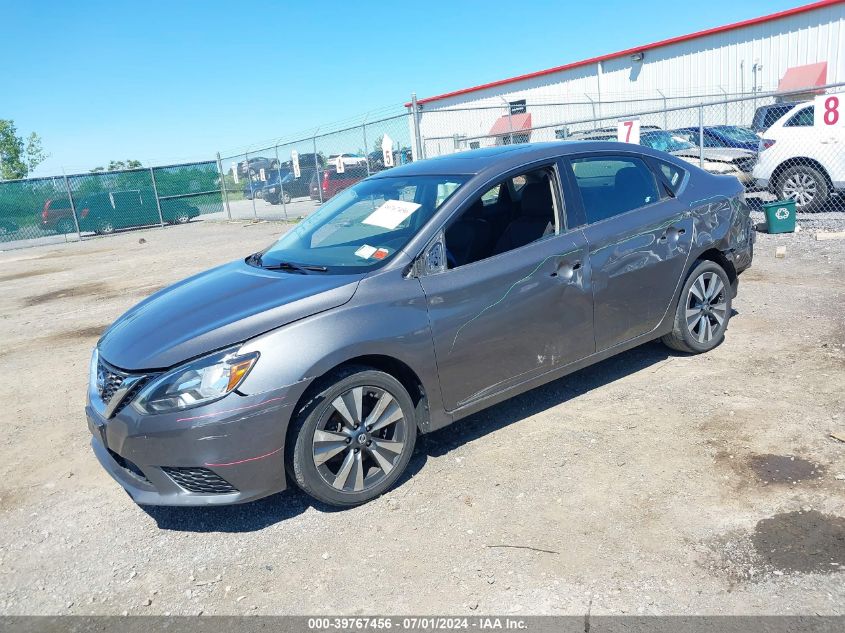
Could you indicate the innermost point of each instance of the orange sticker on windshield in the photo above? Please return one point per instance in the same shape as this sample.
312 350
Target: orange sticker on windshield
380 253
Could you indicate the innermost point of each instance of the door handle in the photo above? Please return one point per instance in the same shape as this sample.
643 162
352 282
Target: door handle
671 230
566 270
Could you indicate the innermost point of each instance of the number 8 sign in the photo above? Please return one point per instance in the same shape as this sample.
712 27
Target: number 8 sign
828 111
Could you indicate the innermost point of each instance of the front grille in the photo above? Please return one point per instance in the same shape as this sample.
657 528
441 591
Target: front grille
196 479
745 164
108 380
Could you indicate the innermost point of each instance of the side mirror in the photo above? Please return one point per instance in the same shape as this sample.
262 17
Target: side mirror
432 260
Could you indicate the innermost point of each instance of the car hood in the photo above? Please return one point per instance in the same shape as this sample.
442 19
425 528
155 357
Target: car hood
718 154
220 307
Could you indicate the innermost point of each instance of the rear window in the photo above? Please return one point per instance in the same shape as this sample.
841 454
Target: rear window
766 116
802 118
610 185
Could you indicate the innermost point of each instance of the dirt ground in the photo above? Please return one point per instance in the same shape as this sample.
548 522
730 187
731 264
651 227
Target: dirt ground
652 483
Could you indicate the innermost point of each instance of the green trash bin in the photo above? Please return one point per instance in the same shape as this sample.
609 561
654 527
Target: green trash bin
780 216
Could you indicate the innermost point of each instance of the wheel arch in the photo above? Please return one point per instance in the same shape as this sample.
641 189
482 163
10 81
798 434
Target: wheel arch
390 365
718 257
800 161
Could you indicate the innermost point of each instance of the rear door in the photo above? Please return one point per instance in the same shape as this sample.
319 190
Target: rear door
639 236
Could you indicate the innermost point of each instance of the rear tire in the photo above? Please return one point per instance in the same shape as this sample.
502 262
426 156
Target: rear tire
703 312
342 464
105 227
65 226
806 185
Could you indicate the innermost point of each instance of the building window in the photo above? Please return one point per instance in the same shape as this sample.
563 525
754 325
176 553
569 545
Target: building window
518 107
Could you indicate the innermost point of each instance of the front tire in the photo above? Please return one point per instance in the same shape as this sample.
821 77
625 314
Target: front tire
703 312
806 185
353 438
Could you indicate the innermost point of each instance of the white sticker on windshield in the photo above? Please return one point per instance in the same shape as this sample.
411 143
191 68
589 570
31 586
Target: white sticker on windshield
365 252
391 214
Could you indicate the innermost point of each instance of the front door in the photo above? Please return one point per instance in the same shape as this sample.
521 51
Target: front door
503 314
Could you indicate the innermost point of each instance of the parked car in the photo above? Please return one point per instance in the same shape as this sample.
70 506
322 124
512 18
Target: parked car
400 157
802 162
278 186
57 215
349 160
721 136
329 182
255 165
105 212
766 115
718 160
413 299
252 187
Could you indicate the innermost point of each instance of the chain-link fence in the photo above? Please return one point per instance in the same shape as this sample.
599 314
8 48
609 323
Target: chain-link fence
63 208
776 144
291 179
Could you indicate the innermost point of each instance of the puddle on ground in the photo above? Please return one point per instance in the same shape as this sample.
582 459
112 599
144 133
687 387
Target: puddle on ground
784 469
804 542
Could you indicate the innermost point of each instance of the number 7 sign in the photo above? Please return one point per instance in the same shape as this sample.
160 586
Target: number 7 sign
628 131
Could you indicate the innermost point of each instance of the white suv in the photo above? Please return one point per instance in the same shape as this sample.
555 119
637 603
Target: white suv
804 163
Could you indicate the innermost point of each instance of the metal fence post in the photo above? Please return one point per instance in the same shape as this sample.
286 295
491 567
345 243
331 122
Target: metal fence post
72 207
317 167
281 186
223 185
249 178
155 192
665 113
416 121
725 92
366 149
701 136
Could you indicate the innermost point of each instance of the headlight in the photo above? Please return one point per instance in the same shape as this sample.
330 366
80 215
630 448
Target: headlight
193 384
92 372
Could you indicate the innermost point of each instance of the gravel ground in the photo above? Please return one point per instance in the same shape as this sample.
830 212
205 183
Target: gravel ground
651 483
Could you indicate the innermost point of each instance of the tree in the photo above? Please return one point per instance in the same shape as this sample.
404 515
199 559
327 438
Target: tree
18 158
118 165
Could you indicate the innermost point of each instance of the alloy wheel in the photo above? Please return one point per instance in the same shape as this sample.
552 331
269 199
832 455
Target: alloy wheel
801 187
707 307
359 439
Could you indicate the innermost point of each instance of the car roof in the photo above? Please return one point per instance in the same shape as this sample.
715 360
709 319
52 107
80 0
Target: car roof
503 157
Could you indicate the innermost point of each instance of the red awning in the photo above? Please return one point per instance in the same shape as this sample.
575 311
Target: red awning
511 123
801 77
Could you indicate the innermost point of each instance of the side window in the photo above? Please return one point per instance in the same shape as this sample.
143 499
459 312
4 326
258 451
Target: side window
802 118
611 185
674 175
511 214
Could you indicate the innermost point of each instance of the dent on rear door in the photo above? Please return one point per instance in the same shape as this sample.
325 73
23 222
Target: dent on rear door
637 261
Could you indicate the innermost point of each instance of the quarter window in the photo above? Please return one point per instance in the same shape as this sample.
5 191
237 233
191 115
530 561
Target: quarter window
674 175
611 185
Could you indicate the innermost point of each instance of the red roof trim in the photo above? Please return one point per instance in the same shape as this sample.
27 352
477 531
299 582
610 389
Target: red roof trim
636 49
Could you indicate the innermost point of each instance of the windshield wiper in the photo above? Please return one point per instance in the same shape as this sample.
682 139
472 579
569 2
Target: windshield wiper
255 260
302 268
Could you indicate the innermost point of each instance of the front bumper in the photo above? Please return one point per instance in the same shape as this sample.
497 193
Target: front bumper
236 443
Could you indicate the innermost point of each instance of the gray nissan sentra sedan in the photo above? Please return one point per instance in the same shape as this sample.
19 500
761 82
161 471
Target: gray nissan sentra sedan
410 300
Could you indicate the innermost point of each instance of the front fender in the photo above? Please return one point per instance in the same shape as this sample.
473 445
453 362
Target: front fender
386 317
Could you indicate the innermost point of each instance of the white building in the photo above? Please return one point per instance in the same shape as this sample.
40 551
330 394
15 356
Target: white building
797 48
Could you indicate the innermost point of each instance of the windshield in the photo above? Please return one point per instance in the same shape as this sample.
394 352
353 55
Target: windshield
736 133
664 141
364 225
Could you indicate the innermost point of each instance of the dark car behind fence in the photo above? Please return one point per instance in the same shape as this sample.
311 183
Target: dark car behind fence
44 210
